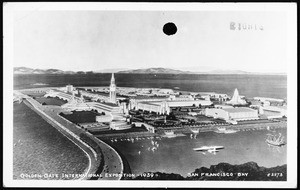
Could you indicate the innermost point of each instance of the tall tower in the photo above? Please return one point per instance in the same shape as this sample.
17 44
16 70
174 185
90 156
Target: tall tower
112 89
236 99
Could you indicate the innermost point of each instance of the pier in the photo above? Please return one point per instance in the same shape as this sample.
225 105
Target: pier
239 127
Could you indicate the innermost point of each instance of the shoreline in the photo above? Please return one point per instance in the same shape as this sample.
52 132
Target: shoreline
187 129
97 162
68 136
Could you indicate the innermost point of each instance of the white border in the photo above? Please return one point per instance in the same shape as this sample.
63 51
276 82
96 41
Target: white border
289 8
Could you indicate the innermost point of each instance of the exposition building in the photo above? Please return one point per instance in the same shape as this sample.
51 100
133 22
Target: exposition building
113 112
232 114
163 105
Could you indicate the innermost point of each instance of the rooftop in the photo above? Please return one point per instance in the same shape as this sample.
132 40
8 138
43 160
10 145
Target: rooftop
239 109
150 97
152 103
104 103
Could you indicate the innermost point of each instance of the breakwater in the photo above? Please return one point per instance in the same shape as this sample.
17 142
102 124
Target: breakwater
90 152
102 158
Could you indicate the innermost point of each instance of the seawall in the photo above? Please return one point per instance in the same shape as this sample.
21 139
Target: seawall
103 158
94 162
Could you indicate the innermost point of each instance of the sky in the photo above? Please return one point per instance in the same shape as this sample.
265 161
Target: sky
99 40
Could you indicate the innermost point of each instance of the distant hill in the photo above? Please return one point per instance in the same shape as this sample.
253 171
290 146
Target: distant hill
26 70
158 70
110 70
225 72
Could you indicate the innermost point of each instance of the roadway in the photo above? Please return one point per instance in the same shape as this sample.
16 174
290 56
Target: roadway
113 164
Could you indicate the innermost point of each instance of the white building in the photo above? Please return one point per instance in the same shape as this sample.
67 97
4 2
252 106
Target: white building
189 103
69 88
159 107
263 99
163 106
208 95
274 111
236 114
119 125
181 98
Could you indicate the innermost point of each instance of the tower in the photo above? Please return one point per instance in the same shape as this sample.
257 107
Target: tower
112 89
236 99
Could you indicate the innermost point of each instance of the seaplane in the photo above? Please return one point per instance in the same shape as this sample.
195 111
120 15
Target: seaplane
210 149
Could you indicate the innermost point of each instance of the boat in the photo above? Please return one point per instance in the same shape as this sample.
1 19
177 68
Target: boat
224 130
170 134
209 148
275 141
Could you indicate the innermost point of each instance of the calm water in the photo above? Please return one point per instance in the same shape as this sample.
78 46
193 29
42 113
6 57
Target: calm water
176 155
248 85
40 149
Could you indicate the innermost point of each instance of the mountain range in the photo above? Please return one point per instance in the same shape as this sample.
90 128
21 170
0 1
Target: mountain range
26 70
156 70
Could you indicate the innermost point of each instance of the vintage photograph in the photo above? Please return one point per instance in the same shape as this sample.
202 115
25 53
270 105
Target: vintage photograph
136 93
